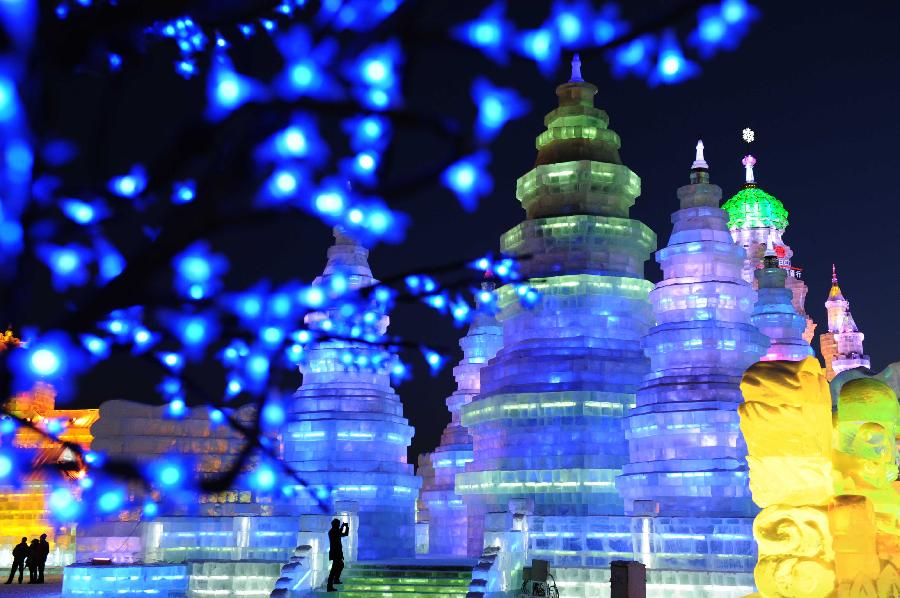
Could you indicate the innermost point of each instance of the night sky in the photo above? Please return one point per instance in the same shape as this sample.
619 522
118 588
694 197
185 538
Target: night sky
818 83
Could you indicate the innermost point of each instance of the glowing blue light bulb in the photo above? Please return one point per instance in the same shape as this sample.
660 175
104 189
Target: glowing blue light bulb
712 29
63 504
6 466
569 26
375 71
734 11
329 202
264 478
285 182
79 211
177 408
150 509
170 475
65 261
110 501
486 33
44 362
272 335
195 268
258 366
365 161
670 64
371 127
292 142
273 414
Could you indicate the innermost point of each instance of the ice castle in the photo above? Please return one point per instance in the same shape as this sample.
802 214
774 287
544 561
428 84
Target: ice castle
599 424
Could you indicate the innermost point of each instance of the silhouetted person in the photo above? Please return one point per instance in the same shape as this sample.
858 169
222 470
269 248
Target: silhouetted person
20 553
34 553
42 557
336 551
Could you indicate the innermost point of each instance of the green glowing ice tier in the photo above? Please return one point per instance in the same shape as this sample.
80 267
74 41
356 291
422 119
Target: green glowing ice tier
578 187
751 207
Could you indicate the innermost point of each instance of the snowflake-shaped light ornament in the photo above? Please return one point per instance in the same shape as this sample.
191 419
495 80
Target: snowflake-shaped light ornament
748 135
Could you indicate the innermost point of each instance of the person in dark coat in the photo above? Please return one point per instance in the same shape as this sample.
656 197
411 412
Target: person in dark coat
336 551
42 560
31 561
20 552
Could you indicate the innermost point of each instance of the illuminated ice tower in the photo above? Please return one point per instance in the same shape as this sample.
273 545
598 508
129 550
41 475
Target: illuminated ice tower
547 426
842 345
753 215
448 528
775 315
687 455
346 433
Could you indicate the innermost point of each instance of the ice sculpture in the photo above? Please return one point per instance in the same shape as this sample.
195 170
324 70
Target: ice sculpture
774 314
753 216
830 500
686 451
842 345
547 425
448 528
346 434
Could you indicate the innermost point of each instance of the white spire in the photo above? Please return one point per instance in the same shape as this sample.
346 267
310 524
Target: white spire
699 162
576 69
749 162
770 244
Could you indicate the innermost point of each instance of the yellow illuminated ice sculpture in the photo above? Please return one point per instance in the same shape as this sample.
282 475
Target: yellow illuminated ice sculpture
826 483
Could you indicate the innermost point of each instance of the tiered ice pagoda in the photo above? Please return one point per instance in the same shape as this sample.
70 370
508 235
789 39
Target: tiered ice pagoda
547 426
687 472
346 434
842 345
774 313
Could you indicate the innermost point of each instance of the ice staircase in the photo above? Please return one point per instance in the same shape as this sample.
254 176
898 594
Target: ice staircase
406 579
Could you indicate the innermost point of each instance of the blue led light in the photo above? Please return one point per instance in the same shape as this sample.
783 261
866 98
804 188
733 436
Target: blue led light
488 32
170 475
6 466
79 211
131 184
273 414
434 360
45 362
329 202
111 500
63 505
672 66
184 192
496 107
469 179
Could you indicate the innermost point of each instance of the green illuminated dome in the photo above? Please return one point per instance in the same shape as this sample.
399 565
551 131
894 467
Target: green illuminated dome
751 207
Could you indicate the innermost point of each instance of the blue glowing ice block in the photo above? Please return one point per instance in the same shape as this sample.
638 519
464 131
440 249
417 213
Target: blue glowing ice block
346 434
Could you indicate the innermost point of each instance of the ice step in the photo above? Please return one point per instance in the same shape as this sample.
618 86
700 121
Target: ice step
404 579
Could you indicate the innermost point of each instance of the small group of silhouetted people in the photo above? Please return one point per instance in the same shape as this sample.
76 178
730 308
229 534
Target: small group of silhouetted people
33 556
336 551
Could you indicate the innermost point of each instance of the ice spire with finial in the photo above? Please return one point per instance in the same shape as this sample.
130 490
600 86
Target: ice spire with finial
576 69
699 161
833 275
749 162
